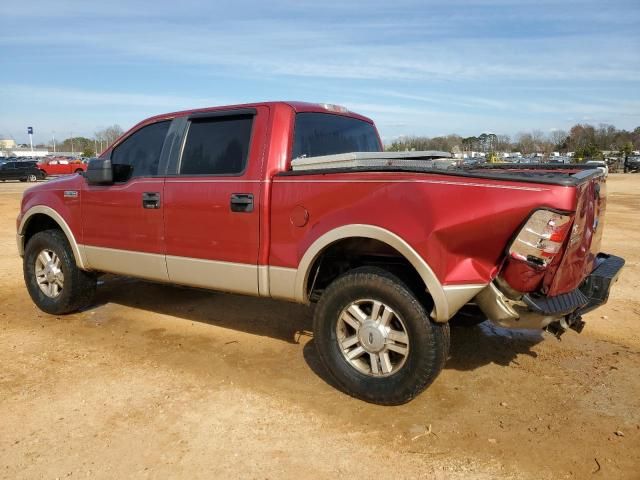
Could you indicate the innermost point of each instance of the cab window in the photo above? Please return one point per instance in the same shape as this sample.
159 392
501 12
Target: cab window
318 134
139 154
217 146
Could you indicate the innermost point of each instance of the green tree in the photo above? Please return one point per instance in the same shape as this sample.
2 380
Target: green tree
75 144
88 152
588 152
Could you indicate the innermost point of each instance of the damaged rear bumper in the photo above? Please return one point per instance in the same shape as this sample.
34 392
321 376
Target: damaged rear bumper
539 311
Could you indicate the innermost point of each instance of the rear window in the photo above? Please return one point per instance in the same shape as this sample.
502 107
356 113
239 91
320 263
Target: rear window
217 146
319 134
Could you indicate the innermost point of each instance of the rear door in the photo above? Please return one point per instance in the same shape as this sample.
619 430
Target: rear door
212 201
122 224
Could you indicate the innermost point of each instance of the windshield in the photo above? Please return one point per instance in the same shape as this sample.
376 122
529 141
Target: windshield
319 134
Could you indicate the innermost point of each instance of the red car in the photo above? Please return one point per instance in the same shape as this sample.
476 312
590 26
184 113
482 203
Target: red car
61 166
298 201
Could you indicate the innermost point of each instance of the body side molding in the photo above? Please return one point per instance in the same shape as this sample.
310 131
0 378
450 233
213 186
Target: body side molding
216 275
149 266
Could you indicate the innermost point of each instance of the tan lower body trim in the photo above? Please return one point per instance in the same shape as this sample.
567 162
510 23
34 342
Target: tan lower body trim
263 281
458 295
20 242
282 283
151 266
214 275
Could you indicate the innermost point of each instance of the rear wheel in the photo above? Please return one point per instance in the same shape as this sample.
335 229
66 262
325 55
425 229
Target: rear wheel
32 178
54 281
376 339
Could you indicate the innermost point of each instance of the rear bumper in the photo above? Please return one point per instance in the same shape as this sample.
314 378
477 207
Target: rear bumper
538 311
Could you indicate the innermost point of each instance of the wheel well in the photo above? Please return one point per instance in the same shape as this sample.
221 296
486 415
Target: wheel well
38 223
350 253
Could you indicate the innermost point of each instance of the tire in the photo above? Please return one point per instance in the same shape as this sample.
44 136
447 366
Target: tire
79 170
427 342
32 178
77 288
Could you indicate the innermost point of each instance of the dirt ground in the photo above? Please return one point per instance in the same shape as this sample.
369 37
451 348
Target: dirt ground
165 382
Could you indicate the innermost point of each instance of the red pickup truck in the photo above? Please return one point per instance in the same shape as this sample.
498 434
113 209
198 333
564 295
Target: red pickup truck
61 166
257 199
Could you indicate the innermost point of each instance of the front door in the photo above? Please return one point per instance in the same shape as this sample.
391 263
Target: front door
212 202
122 224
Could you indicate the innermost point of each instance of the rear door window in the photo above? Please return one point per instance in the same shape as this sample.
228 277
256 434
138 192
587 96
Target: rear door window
217 146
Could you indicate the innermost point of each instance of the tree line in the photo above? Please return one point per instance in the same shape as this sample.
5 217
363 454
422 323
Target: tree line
88 147
586 141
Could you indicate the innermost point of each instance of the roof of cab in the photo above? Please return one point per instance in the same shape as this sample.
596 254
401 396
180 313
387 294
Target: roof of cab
298 107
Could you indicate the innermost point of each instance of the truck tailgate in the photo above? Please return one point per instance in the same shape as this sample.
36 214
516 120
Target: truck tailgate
584 241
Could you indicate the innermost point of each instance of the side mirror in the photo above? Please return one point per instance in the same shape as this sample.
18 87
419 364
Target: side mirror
99 172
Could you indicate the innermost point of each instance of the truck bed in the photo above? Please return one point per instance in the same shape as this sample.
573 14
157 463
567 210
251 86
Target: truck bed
551 174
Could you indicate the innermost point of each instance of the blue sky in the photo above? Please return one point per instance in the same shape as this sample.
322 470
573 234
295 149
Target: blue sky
415 67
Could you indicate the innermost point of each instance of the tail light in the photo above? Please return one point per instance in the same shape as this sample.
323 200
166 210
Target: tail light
541 238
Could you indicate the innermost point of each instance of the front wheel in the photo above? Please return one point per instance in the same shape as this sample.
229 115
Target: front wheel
32 178
376 338
54 281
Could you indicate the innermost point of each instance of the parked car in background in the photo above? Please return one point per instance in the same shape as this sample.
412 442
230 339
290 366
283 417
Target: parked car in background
632 164
61 166
23 171
600 164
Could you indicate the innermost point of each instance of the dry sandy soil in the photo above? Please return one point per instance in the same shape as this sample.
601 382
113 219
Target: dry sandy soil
159 381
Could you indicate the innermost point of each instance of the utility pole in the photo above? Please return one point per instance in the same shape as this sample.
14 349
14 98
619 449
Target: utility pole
71 143
95 146
30 132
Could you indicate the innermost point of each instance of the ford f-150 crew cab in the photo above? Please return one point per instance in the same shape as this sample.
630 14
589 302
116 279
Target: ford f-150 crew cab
298 202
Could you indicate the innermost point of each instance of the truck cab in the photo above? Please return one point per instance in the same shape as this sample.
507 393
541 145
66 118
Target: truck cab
240 199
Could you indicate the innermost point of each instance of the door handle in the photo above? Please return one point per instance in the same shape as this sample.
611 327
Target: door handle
151 200
242 202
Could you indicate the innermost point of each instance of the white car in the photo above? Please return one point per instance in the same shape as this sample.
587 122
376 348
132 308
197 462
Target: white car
601 165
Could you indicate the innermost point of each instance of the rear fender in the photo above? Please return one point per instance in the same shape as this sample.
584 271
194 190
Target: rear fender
447 299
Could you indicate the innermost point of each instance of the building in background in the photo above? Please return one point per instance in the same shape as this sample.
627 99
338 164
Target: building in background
9 148
6 142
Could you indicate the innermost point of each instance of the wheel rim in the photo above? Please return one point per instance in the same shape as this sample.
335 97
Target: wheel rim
32 178
372 338
49 274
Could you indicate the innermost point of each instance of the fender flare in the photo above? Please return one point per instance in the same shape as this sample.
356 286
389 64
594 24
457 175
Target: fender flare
56 217
446 300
